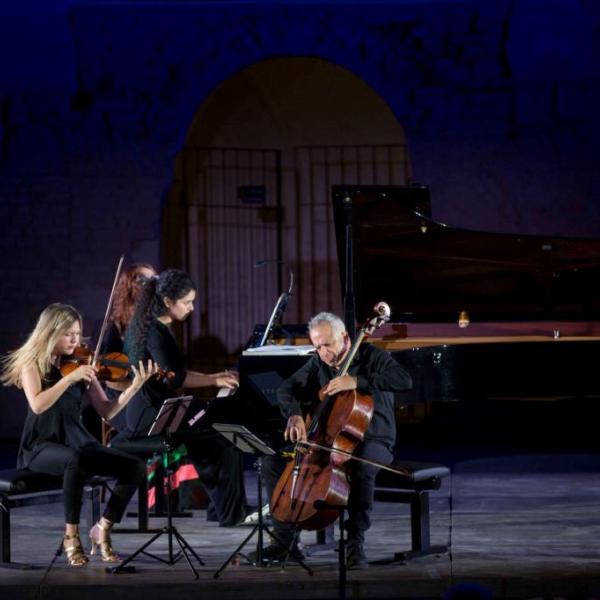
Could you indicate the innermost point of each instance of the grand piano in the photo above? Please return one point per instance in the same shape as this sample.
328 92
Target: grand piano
476 316
481 314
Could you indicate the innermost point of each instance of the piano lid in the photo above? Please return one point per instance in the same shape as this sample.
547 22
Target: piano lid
429 272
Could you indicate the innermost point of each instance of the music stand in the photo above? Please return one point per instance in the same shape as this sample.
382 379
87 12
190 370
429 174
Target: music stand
167 421
247 442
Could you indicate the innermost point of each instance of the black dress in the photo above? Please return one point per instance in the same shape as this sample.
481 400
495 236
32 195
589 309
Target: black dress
56 442
59 424
219 464
162 348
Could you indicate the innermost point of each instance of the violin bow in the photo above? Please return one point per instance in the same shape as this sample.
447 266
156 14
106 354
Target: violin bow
352 457
108 309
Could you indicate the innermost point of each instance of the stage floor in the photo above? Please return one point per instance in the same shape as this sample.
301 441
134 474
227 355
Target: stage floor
522 527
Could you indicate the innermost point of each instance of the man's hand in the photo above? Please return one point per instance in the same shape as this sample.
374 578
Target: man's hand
295 430
340 384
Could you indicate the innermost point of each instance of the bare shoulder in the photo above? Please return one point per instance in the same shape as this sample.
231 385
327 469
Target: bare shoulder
31 379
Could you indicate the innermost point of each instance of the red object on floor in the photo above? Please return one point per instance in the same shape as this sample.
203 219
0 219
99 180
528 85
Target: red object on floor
183 473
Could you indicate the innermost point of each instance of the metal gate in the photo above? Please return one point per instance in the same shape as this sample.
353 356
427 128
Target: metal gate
232 207
237 205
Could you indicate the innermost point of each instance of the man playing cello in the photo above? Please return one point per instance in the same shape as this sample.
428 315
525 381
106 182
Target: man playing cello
373 372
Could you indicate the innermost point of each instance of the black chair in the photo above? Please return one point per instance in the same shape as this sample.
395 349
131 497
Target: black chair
21 487
413 488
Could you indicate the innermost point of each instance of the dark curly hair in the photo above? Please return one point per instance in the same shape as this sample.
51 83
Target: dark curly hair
173 284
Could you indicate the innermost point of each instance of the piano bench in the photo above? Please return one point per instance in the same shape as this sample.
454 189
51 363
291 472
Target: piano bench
413 488
21 487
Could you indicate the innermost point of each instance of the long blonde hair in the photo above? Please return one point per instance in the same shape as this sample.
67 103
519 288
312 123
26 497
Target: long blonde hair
53 323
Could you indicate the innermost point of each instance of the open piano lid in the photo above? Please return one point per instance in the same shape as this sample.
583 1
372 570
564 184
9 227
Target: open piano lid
429 272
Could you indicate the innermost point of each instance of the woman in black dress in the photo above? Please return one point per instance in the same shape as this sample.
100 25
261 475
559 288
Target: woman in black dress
54 440
129 286
164 300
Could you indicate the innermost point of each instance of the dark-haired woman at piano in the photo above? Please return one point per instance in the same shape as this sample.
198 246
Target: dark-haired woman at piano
164 300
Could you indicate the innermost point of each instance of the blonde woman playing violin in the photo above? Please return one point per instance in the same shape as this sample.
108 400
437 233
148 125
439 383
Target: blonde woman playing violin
54 440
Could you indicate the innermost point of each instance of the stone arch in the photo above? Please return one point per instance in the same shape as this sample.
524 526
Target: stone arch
325 126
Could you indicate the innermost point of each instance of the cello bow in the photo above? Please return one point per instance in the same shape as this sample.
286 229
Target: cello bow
351 456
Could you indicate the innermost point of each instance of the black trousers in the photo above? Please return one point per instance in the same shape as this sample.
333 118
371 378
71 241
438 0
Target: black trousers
75 466
221 469
362 486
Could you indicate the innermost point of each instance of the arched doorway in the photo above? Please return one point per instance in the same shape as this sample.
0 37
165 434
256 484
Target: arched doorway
253 184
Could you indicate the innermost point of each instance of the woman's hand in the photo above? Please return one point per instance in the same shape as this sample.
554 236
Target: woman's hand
227 379
142 373
81 373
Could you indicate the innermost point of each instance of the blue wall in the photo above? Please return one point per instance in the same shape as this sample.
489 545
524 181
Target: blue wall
499 101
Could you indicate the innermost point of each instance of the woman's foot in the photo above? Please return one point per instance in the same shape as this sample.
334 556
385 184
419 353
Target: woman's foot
74 550
100 537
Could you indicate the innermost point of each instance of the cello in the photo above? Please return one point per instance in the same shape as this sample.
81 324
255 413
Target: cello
316 475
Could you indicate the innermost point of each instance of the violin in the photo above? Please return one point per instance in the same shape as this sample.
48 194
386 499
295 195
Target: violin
316 476
112 366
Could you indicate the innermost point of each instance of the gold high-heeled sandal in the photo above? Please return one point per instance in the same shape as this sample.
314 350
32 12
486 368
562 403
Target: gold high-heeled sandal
106 550
74 550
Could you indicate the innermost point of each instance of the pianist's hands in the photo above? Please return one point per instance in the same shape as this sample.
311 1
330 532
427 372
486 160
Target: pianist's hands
227 379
